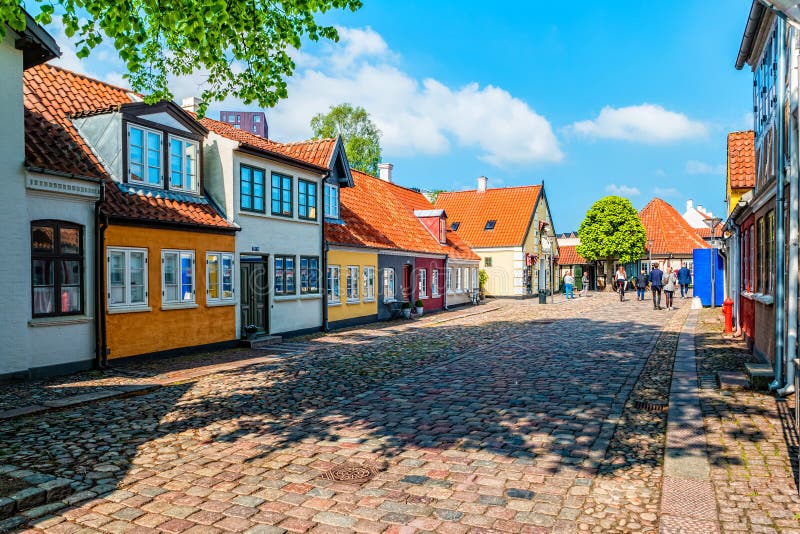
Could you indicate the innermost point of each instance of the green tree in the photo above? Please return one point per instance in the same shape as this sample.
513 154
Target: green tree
433 194
242 48
362 139
612 231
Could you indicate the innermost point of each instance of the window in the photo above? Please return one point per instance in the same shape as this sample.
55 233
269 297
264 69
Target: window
435 282
331 201
144 156
455 226
760 286
490 225
284 275
56 268
182 164
251 188
369 283
309 275
307 200
388 285
352 283
458 278
465 272
333 284
177 276
256 118
770 252
746 259
281 195
127 277
487 261
422 284
474 284
448 284
238 117
219 276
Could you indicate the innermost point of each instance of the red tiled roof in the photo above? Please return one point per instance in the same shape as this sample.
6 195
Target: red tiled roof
742 159
669 230
706 232
379 214
51 96
511 208
316 151
567 255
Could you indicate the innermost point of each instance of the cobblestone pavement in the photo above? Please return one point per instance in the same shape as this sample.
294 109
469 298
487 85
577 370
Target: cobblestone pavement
494 422
752 442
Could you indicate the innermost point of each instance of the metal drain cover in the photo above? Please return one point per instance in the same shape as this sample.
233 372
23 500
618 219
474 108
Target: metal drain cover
651 406
352 473
708 382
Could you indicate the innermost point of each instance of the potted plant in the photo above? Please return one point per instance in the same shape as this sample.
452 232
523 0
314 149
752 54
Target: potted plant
249 330
483 277
418 306
406 309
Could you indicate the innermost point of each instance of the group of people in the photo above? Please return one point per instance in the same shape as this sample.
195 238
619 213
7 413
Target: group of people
569 285
658 281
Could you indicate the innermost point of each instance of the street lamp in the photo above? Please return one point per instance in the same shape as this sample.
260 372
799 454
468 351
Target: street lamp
712 223
649 255
544 246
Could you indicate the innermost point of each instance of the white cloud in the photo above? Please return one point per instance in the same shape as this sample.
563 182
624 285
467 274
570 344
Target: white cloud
622 190
645 123
666 191
699 167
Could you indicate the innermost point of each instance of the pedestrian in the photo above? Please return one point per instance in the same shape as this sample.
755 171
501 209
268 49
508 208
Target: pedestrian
656 282
641 284
670 280
569 281
585 282
684 279
621 279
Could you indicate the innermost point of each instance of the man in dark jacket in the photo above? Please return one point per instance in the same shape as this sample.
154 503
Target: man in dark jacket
656 277
641 283
684 279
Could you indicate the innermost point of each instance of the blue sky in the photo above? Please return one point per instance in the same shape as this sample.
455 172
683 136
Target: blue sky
629 97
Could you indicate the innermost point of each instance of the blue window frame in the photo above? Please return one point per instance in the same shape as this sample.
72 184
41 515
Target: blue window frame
307 200
251 188
281 195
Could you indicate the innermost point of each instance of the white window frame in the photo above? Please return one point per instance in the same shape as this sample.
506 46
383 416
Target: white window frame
369 283
465 273
195 177
435 283
474 283
333 287
458 279
127 304
389 275
146 167
331 207
182 298
352 283
220 278
448 280
422 283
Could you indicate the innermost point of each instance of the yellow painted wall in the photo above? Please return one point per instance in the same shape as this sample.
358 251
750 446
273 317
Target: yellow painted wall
129 334
346 310
501 273
734 195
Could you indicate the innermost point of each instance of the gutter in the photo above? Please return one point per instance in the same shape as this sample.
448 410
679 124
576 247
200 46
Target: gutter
323 274
61 174
101 223
750 32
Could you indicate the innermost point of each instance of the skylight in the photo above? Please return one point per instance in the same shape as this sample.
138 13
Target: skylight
490 224
454 226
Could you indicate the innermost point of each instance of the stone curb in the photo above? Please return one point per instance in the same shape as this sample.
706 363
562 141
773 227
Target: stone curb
45 491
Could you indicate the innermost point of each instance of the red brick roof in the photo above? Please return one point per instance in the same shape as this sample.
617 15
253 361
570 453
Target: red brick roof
742 159
669 230
51 96
511 208
567 255
379 214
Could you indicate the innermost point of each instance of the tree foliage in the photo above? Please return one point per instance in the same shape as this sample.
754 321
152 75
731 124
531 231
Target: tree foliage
242 48
362 139
612 230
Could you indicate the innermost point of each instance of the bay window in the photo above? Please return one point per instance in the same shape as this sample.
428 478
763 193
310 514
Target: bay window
127 277
219 277
56 268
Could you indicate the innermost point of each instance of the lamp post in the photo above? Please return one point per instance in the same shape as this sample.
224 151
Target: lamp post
542 262
649 255
712 223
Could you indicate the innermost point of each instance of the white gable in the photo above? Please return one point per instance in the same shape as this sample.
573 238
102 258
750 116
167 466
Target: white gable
166 119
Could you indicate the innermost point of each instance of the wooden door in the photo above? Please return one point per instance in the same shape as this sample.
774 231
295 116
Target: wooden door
254 294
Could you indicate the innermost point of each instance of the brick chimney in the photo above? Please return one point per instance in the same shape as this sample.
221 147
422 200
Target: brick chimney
483 182
385 172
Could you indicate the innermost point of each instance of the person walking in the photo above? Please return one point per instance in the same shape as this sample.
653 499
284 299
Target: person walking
621 280
656 282
569 282
670 280
641 284
684 279
585 283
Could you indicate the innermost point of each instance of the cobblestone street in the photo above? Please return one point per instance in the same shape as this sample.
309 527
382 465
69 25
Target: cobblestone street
504 421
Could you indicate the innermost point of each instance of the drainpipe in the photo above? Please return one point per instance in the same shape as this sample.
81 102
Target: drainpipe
100 225
780 210
323 275
446 267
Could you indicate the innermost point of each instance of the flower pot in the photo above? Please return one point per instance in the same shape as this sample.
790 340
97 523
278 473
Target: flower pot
407 313
419 310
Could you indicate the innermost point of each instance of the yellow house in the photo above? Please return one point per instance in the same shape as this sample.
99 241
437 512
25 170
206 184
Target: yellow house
741 167
351 280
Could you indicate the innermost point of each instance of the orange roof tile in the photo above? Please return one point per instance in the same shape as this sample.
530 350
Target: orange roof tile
742 159
669 230
567 255
51 96
706 232
511 208
379 214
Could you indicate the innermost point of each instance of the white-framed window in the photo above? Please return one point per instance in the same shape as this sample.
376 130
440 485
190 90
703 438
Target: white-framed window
127 277
352 283
448 284
331 201
422 283
474 278
333 284
145 156
369 283
388 285
435 282
219 277
458 278
183 164
177 276
465 272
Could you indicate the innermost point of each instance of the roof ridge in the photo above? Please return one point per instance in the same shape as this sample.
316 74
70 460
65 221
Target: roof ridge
492 189
306 142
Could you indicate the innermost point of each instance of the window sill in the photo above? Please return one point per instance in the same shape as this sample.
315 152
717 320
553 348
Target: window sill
282 298
390 301
764 299
179 306
310 296
436 295
368 300
288 218
334 303
217 304
423 297
130 309
59 321
353 301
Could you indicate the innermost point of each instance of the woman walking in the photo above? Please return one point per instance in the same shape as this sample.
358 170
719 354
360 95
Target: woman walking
585 282
670 281
621 279
641 284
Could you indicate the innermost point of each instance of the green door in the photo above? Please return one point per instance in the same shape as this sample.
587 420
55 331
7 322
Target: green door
577 272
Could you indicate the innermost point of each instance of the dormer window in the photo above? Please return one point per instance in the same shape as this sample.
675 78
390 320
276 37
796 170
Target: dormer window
490 224
182 164
144 156
331 201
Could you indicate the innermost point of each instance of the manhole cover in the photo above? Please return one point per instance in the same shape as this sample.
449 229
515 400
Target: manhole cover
650 406
708 382
353 473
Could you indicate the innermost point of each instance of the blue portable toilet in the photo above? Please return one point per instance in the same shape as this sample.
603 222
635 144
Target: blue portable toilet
708 265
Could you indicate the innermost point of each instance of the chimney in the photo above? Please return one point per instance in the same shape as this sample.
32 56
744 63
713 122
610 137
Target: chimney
689 204
385 172
482 183
191 104
701 210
